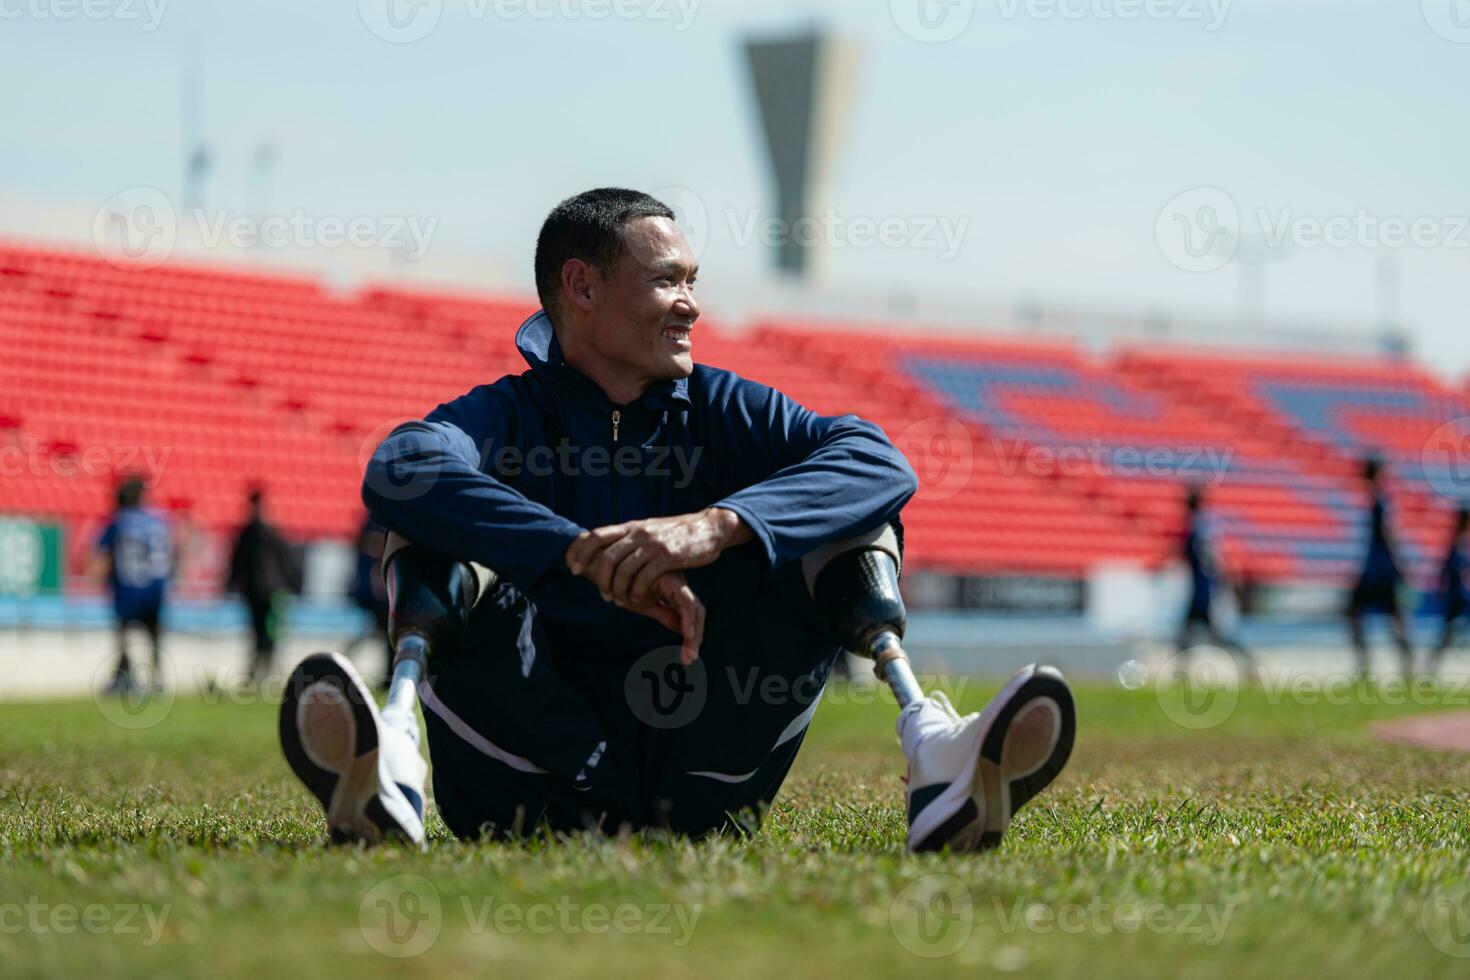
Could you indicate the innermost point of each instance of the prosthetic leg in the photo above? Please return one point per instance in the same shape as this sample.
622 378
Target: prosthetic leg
362 764
429 602
967 775
854 584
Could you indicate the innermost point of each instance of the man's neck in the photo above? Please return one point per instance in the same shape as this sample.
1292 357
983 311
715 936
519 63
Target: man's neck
616 384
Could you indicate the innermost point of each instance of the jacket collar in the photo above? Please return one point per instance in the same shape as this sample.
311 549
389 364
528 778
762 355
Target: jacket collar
536 341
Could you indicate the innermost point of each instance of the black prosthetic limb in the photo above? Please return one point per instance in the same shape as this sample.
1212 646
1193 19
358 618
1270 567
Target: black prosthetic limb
429 601
855 587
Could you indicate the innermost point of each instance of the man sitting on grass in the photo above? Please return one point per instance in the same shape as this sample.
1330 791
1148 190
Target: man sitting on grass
640 512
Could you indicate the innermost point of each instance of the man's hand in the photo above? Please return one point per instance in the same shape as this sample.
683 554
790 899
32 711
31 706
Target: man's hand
625 560
673 603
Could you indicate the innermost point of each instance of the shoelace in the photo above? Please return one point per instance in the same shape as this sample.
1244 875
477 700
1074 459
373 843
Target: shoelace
942 699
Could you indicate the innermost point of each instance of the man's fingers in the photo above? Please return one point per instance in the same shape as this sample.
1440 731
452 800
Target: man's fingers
653 569
576 555
691 618
582 552
677 609
698 642
602 567
627 572
665 616
584 549
703 613
587 545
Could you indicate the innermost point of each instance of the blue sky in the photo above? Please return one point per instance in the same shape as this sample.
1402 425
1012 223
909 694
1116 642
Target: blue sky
1054 131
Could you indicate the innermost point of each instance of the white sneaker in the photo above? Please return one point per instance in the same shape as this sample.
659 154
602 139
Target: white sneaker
368 775
968 776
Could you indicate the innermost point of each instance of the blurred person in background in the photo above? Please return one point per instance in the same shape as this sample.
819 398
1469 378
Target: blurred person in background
1454 596
262 571
1205 573
369 592
1379 580
135 554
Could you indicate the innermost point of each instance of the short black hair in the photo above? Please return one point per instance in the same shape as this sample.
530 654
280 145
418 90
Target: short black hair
588 227
1372 467
1462 520
130 492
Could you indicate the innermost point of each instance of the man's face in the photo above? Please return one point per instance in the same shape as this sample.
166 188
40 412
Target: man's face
644 309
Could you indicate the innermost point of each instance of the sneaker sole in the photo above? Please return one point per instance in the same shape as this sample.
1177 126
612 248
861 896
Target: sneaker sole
329 735
1024 749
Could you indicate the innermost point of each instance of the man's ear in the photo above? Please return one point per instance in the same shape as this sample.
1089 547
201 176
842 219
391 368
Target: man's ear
579 283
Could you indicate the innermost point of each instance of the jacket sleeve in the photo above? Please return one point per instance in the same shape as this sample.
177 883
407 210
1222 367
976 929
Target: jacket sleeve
806 479
428 482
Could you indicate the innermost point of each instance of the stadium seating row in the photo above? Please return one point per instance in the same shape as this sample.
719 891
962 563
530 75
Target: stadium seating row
1034 456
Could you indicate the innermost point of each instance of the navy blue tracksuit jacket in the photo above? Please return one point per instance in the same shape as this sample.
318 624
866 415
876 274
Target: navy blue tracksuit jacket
510 473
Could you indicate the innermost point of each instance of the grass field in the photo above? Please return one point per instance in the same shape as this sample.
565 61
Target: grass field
1280 842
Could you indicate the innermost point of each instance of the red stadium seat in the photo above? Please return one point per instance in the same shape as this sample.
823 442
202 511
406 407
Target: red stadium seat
247 377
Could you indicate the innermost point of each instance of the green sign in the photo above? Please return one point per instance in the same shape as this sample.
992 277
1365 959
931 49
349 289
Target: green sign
30 557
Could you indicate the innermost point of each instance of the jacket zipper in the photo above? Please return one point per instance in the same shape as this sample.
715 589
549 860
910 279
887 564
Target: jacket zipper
612 483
